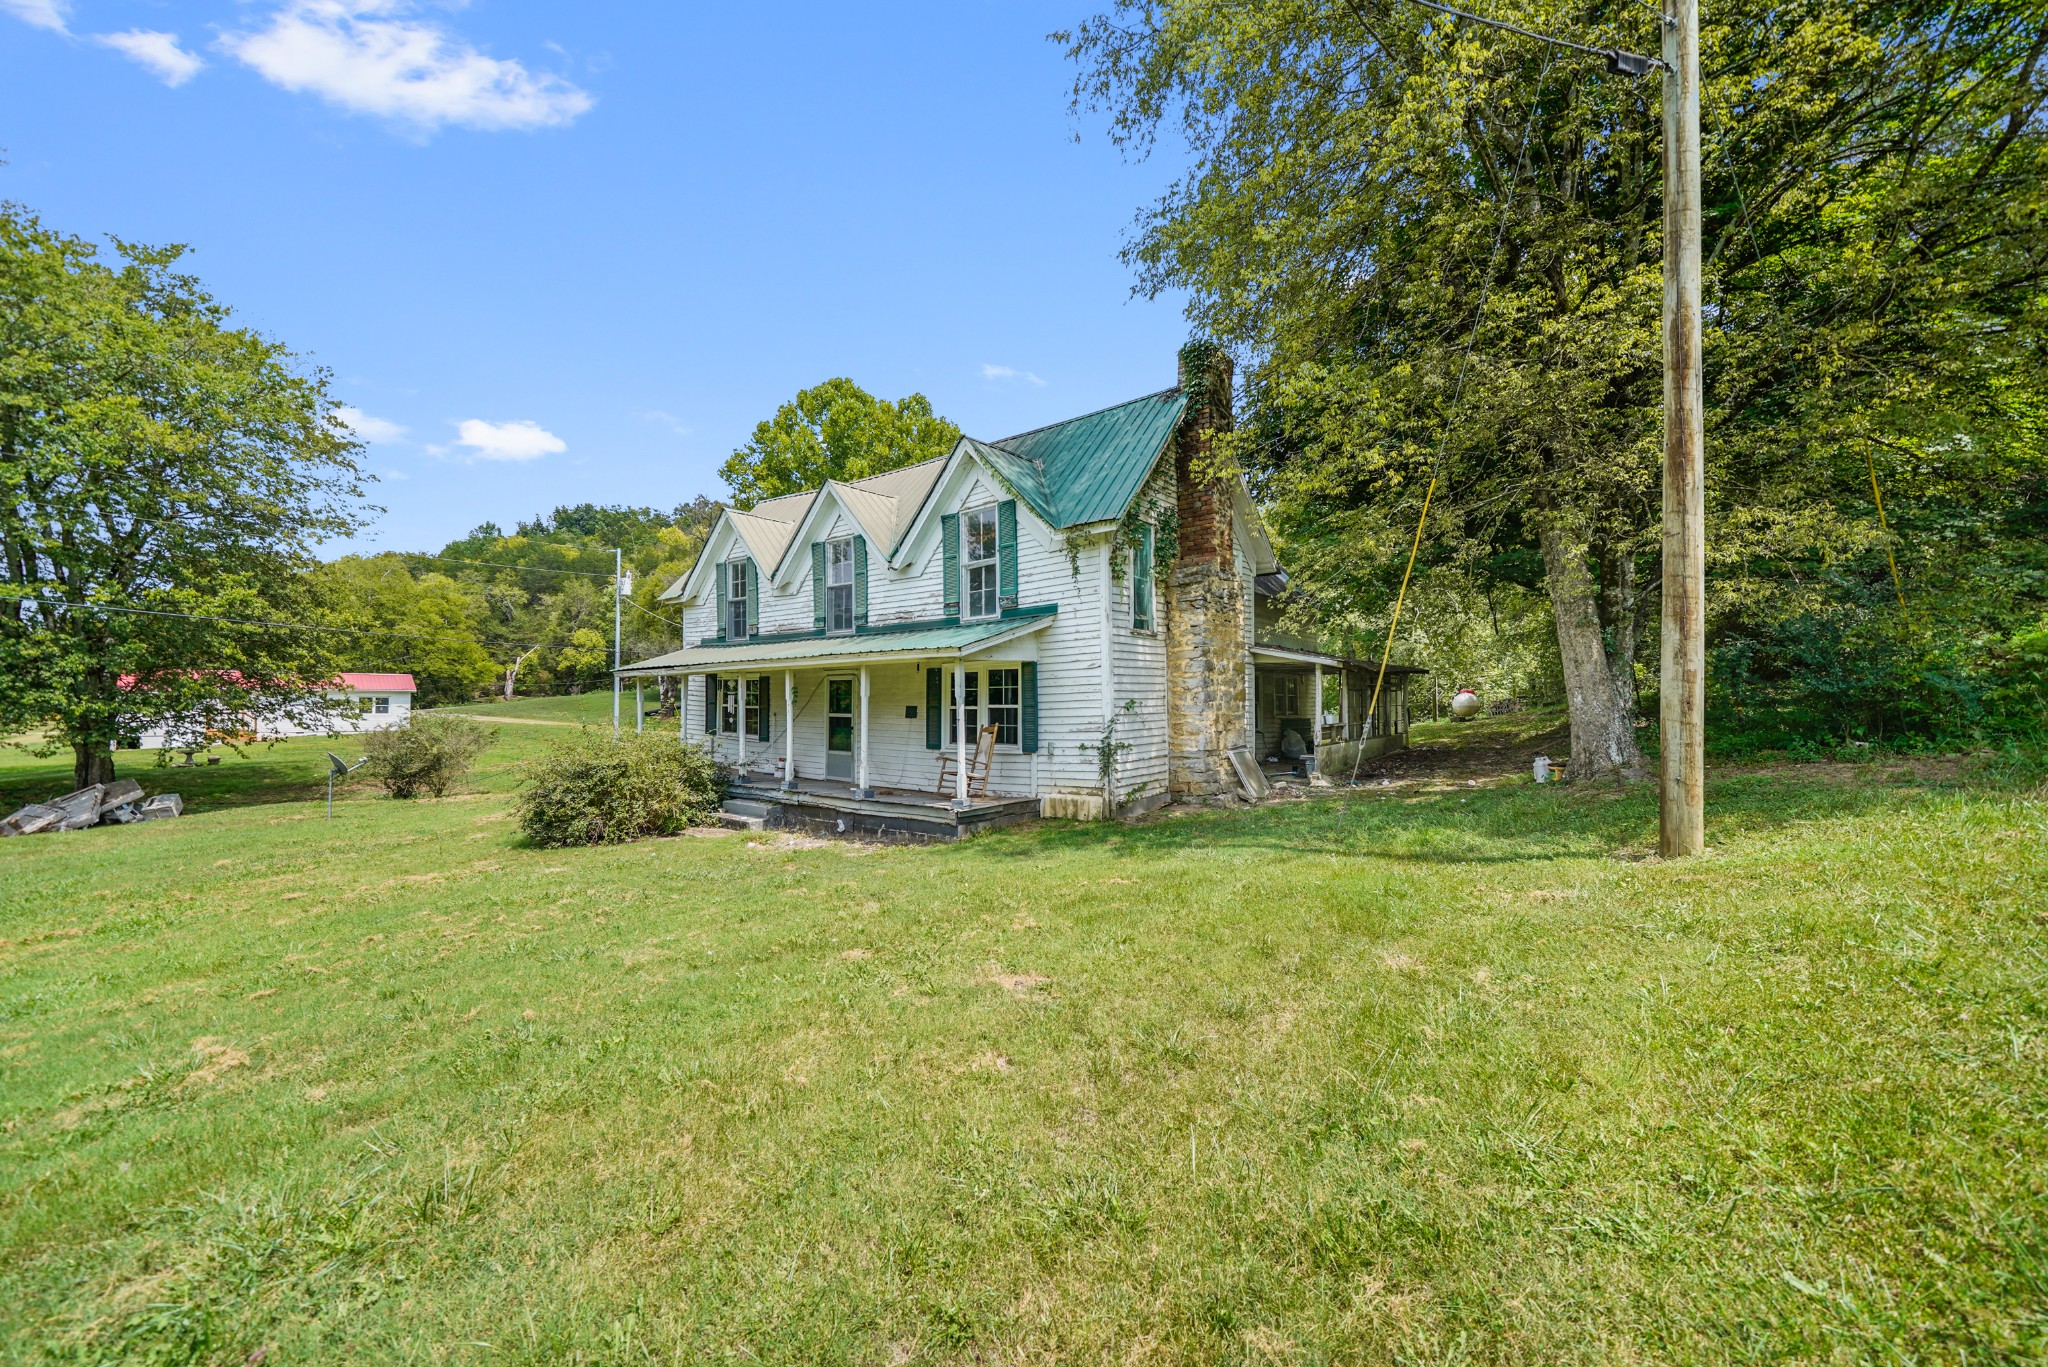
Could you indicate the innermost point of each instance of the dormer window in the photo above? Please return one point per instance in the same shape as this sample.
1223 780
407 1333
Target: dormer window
736 600
839 584
979 543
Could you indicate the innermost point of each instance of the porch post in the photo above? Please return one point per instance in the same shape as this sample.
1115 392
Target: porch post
960 728
639 708
683 708
1317 728
789 730
860 782
1344 701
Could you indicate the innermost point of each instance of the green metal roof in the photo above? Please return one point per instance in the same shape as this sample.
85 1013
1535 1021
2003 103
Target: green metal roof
1087 469
912 640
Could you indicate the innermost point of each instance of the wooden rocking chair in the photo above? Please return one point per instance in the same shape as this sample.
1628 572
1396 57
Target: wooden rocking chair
977 766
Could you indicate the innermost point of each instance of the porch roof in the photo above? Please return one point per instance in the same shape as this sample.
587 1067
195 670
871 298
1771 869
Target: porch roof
1289 655
914 641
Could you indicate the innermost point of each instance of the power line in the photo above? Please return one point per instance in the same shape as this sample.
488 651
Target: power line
501 565
275 626
1619 62
311 626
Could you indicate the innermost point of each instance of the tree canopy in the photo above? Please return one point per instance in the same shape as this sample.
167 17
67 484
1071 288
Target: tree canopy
158 466
1875 241
835 430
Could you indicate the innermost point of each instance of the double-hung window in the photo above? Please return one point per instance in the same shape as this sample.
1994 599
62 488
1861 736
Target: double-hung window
1141 580
839 584
381 706
978 555
736 600
1006 705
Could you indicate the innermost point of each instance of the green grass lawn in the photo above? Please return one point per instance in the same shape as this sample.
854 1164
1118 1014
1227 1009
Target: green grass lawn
581 707
1389 1077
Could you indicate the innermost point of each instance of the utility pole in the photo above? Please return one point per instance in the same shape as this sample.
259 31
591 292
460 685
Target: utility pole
1682 699
618 601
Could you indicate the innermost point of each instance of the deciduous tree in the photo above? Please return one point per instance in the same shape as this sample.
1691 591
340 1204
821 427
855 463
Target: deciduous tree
154 459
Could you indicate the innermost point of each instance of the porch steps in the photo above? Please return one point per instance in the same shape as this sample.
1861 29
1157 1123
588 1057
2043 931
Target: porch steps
743 814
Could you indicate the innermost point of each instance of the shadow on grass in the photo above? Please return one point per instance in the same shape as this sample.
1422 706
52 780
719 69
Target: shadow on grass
1519 823
251 780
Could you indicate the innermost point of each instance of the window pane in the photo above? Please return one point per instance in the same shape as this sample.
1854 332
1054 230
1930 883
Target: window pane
973 710
981 535
1005 698
840 567
839 608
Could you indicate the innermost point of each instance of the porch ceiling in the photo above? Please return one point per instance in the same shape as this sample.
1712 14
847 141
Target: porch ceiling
942 642
1287 655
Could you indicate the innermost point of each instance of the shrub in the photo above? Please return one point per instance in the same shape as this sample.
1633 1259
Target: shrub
594 789
427 755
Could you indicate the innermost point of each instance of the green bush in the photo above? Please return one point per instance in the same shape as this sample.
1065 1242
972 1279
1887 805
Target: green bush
594 789
428 755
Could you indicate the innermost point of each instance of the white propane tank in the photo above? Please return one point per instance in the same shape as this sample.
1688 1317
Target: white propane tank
1465 705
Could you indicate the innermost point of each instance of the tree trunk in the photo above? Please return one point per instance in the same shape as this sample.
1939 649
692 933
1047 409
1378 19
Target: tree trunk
92 762
1602 705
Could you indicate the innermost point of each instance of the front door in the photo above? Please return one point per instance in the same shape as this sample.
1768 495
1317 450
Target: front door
839 729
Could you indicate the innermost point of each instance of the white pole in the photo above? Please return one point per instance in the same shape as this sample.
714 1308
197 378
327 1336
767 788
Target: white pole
1317 725
618 601
683 708
960 719
789 730
861 782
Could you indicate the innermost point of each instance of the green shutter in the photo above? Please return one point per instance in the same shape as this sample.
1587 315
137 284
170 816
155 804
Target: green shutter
1141 579
724 576
860 581
949 532
767 731
711 704
753 600
1027 688
934 710
817 586
1006 553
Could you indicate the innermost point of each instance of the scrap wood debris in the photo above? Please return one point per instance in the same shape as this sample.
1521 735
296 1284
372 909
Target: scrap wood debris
101 804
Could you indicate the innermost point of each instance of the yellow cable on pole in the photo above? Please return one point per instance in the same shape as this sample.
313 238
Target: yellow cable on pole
1372 712
1884 527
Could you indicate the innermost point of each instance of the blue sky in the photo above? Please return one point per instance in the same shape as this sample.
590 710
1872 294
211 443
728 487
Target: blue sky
556 253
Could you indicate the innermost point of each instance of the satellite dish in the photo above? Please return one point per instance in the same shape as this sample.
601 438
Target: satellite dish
337 767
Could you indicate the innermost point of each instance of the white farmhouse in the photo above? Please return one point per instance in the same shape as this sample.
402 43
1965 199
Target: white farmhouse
1071 587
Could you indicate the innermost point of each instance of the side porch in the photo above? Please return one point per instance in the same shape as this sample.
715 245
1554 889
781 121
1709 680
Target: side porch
1315 713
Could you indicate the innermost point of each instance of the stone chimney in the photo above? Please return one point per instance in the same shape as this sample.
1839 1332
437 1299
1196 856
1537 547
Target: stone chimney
1207 649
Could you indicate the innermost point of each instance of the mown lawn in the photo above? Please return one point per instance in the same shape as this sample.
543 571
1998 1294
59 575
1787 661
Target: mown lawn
592 708
1450 1077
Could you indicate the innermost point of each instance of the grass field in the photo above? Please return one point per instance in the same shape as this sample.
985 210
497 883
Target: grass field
1409 1075
581 707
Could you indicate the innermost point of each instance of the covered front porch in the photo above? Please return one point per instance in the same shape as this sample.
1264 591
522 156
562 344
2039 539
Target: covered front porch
849 732
1300 725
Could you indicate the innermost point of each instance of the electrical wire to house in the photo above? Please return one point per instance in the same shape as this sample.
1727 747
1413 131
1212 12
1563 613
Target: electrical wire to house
1458 388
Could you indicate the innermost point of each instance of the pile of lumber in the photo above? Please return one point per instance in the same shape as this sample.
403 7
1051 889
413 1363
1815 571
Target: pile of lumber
102 804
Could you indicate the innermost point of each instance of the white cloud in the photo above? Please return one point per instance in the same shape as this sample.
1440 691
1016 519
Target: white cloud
377 431
366 56
49 14
157 51
519 440
1004 372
